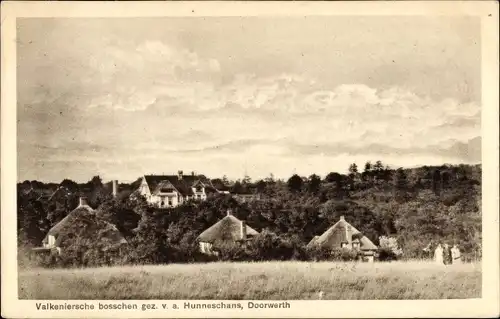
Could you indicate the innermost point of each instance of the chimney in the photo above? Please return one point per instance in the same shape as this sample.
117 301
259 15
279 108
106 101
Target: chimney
192 173
342 218
83 202
115 188
229 212
243 230
179 175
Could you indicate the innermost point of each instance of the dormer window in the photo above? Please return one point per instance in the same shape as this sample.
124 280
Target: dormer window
199 189
166 190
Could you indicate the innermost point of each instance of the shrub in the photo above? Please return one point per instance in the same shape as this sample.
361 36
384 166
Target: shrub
229 251
269 246
389 249
345 254
318 253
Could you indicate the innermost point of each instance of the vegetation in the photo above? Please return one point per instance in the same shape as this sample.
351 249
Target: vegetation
408 208
268 281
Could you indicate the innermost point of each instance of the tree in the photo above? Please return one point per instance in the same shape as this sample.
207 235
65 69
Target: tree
314 184
400 184
367 173
246 180
124 215
96 181
237 188
70 185
368 167
270 178
389 249
378 167
294 183
353 173
334 177
353 169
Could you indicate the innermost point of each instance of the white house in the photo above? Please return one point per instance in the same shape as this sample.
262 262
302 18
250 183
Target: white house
172 190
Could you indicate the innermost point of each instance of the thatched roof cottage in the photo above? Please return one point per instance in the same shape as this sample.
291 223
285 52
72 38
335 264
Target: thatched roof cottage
87 225
228 229
344 235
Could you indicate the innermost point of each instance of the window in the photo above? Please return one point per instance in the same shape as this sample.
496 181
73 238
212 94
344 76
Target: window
169 202
162 203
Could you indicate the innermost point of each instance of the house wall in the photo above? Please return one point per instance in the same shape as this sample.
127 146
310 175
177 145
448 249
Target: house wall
200 195
165 199
206 248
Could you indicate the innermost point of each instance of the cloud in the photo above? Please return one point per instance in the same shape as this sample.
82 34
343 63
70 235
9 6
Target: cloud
156 102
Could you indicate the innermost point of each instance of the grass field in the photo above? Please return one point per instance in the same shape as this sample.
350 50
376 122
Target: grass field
267 280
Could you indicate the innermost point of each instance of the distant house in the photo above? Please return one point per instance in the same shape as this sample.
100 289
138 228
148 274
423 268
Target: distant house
246 197
245 193
172 190
344 235
227 230
85 215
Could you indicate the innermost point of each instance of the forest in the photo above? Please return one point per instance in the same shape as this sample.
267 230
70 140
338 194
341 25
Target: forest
402 210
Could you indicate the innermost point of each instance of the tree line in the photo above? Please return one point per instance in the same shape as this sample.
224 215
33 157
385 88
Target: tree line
412 207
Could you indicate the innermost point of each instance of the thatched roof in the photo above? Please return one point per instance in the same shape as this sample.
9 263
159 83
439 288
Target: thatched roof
342 232
313 241
89 225
226 229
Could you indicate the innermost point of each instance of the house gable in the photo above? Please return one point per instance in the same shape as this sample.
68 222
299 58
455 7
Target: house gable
165 187
144 187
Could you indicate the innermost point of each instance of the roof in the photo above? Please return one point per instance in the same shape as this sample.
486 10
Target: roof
93 227
219 185
313 241
155 182
183 185
226 229
342 231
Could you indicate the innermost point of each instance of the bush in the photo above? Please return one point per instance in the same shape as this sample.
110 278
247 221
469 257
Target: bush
345 254
389 249
269 246
318 253
229 251
29 259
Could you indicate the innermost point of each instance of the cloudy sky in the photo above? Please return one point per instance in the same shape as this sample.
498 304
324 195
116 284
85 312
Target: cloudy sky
125 97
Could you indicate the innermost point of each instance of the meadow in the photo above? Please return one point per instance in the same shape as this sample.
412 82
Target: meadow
263 280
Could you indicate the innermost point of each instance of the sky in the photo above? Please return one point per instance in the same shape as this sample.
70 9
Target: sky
123 97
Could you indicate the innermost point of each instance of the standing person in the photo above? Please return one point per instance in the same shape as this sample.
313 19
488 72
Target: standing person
456 257
438 255
447 254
